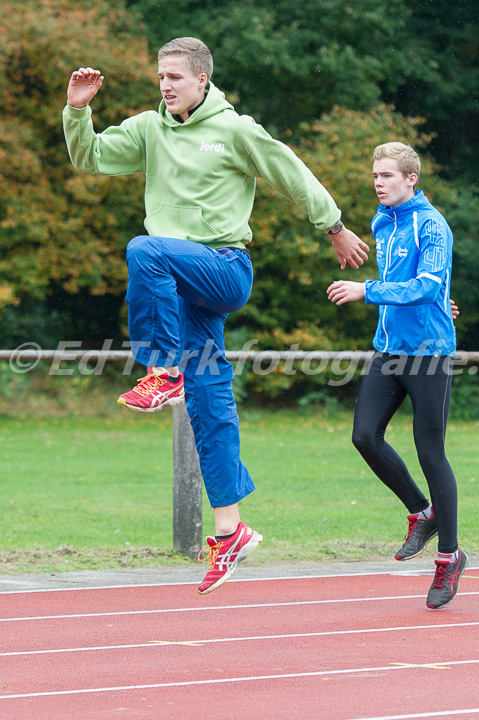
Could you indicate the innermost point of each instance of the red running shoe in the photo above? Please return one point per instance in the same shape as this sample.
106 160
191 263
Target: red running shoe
225 555
153 393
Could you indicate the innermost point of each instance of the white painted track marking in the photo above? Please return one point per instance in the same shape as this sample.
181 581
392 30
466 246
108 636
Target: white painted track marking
250 638
400 573
216 608
252 678
413 716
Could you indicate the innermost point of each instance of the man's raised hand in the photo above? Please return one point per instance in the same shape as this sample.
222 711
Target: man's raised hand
83 86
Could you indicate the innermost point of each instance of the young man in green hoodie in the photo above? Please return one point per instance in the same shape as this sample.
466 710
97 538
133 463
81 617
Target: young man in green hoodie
200 160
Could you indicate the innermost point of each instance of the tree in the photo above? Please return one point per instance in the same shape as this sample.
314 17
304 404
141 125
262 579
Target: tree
444 85
318 76
285 62
64 231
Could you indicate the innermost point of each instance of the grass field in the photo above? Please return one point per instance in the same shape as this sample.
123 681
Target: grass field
96 492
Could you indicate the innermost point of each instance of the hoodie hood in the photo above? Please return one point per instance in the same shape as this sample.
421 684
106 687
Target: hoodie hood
215 102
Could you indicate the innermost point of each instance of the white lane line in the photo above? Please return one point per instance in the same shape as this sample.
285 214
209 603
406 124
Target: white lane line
251 678
438 713
208 641
400 573
217 608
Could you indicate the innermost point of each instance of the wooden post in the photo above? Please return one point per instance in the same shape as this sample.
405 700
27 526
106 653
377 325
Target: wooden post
187 487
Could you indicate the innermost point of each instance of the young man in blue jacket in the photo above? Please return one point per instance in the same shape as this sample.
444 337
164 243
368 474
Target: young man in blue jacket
415 343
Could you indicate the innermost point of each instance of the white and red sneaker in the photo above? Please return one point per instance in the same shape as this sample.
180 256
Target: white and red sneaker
154 392
224 556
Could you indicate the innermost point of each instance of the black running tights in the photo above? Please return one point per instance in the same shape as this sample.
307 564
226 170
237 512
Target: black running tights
427 381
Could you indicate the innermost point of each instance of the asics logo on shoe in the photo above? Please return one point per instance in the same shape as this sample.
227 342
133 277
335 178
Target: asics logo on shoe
225 555
153 393
454 578
212 147
158 396
224 561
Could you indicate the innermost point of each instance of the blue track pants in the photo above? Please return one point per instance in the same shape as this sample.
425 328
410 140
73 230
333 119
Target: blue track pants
179 296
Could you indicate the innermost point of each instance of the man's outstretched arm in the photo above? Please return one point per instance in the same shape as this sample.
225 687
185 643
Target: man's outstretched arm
274 161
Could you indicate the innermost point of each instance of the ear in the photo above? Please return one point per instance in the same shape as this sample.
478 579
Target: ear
412 179
202 81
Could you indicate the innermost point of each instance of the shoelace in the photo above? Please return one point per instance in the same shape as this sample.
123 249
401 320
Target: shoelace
147 384
439 577
213 551
412 526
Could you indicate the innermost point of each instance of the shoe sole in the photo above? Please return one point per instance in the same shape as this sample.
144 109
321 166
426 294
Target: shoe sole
245 551
411 557
441 607
168 403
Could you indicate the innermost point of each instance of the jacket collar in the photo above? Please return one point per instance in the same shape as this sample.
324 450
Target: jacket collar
416 202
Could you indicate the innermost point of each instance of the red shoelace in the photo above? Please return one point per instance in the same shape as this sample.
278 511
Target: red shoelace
439 577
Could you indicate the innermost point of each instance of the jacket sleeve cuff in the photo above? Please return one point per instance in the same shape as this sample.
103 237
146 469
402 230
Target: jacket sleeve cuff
328 226
77 112
367 285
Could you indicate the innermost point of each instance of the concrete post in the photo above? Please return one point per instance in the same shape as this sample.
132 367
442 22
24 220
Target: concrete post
187 487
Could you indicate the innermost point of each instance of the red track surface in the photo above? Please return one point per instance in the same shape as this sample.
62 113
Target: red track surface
329 648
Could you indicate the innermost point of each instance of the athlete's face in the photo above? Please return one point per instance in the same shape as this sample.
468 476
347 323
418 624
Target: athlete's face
392 188
181 89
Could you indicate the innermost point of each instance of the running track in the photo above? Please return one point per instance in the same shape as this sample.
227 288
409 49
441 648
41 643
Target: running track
346 647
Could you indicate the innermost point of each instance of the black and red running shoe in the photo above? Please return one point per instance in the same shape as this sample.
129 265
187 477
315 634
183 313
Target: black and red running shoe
446 581
420 531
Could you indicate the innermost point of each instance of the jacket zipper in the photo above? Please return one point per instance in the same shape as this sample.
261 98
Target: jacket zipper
386 268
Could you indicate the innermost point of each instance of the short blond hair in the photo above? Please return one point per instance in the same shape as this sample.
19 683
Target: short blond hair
197 55
407 158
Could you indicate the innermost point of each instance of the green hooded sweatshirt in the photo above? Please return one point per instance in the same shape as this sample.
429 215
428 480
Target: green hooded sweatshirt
200 174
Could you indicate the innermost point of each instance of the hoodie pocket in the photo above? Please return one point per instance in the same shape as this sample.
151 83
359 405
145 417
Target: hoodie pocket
184 223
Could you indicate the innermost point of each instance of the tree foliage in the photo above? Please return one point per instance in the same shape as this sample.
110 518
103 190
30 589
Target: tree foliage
324 74
288 62
285 62
444 87
59 228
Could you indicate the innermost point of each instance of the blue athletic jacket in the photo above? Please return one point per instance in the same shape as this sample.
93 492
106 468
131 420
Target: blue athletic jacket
414 256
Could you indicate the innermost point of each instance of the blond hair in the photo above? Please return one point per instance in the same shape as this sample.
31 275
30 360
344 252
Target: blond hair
196 54
406 157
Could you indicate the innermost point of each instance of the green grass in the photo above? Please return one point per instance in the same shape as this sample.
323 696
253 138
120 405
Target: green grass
85 492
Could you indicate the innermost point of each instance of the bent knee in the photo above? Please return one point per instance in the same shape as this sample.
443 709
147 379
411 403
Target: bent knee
137 245
363 440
